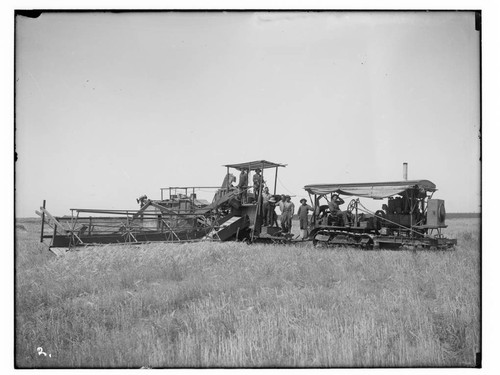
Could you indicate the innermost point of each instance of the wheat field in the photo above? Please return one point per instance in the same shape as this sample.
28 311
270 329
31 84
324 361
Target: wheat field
235 305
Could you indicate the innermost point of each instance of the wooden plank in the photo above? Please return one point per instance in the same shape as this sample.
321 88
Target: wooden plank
141 211
54 220
164 209
58 251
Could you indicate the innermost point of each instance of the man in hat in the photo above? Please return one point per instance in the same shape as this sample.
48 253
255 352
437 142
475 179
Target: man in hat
334 206
257 181
302 213
287 215
243 186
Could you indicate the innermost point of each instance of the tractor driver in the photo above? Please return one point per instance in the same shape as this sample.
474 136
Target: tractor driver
334 206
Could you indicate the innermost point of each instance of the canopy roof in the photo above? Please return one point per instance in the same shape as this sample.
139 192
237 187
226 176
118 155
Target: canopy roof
253 165
371 190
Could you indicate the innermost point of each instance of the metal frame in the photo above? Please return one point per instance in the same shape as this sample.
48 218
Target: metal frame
252 166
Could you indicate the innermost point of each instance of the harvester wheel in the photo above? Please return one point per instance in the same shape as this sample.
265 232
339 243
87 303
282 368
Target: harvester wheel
351 206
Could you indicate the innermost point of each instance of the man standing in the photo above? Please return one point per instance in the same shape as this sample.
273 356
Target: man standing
302 212
265 206
243 186
291 211
272 217
257 181
281 205
287 215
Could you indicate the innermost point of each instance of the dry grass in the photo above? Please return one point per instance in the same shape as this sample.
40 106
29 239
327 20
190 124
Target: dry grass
234 305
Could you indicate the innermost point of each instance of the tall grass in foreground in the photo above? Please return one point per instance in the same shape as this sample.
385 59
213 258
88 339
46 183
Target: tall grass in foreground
230 304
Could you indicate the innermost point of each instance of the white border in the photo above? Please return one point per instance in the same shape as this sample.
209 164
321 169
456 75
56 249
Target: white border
490 105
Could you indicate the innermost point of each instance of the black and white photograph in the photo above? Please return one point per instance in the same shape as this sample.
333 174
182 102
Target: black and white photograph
247 188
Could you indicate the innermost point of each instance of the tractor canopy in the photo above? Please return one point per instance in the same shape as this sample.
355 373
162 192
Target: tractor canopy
375 190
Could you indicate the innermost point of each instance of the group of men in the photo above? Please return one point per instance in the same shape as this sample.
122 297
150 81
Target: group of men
286 206
269 201
287 209
243 184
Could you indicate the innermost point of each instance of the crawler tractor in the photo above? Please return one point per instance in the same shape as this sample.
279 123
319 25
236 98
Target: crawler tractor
409 218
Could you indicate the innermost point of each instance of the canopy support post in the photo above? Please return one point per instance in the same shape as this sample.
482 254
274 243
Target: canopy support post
275 180
43 221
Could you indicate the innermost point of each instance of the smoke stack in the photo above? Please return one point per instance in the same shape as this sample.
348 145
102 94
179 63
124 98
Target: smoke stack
405 171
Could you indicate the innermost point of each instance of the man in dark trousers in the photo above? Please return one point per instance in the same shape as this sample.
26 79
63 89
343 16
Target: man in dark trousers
334 206
243 186
272 218
302 212
257 181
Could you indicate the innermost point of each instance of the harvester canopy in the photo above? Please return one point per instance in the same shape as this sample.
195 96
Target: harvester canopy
375 190
253 165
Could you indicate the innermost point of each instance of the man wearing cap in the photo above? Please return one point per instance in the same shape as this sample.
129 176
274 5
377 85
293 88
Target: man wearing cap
243 185
302 212
257 181
334 206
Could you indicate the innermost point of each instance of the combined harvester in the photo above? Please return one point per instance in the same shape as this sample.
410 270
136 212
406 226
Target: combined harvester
235 213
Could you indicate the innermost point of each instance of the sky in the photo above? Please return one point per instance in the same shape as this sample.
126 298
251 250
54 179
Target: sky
112 106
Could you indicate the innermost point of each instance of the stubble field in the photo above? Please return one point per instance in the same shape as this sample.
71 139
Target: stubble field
234 305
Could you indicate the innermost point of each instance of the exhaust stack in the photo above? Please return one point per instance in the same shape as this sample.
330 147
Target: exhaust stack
405 171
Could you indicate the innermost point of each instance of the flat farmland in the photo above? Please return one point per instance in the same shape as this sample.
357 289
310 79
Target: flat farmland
236 305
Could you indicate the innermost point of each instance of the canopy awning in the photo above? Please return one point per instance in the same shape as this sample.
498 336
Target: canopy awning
377 190
253 165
